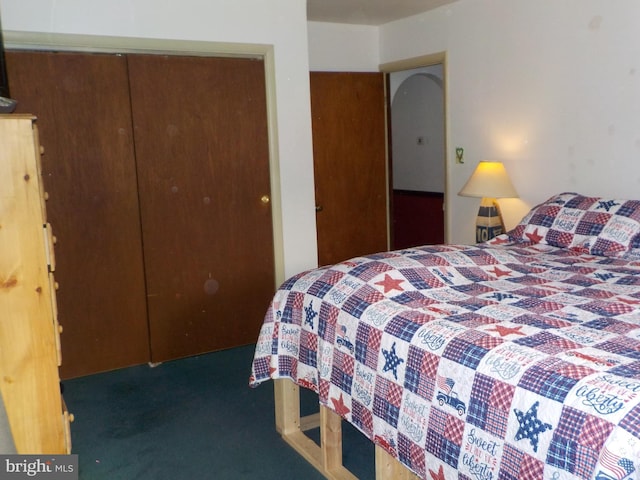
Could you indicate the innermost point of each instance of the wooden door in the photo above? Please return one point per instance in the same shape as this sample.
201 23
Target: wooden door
82 105
203 173
418 219
348 119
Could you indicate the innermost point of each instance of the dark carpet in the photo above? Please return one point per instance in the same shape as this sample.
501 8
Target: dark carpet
194 418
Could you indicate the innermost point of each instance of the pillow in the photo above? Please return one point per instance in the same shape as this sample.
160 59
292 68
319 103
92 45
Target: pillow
599 226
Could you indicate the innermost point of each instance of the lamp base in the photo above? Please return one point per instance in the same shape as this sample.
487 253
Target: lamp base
7 105
489 223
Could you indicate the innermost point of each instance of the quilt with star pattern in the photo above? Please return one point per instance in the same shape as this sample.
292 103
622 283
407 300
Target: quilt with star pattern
503 360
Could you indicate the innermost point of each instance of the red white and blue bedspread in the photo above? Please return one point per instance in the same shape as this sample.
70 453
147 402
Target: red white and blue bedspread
478 362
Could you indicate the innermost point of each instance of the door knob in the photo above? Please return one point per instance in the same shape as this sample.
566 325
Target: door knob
265 199
319 208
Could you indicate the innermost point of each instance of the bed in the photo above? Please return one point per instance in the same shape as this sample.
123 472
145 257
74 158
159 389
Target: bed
518 358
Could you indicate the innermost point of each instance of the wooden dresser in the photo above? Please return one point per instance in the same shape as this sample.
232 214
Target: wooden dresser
29 329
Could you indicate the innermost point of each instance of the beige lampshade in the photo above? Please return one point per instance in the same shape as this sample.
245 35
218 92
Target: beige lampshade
489 180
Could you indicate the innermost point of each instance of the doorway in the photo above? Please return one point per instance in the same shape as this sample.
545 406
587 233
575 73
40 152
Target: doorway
417 155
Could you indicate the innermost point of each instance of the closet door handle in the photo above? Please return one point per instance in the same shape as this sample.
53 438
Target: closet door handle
319 208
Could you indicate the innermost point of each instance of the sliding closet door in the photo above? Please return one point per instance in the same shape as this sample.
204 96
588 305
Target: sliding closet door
82 105
203 171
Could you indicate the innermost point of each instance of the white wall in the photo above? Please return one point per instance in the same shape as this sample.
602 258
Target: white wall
337 47
550 88
281 23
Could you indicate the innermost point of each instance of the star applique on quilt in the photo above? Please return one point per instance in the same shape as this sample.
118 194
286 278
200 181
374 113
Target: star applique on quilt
530 425
391 360
390 283
534 236
500 273
504 331
607 205
310 314
499 241
439 475
339 406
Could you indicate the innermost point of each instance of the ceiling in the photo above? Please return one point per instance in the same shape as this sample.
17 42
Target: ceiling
367 12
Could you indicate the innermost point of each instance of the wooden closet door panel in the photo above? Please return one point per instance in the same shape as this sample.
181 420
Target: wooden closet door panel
203 167
349 152
82 105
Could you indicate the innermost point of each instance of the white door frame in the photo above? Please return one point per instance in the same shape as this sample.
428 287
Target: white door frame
418 62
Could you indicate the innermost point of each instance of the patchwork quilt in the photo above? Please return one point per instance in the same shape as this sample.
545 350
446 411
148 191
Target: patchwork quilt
507 360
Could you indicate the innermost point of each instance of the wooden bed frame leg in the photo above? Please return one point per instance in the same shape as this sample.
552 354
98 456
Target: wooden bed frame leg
388 468
287 403
326 457
330 439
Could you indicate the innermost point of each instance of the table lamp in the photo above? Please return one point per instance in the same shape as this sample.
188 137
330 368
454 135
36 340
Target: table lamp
488 182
